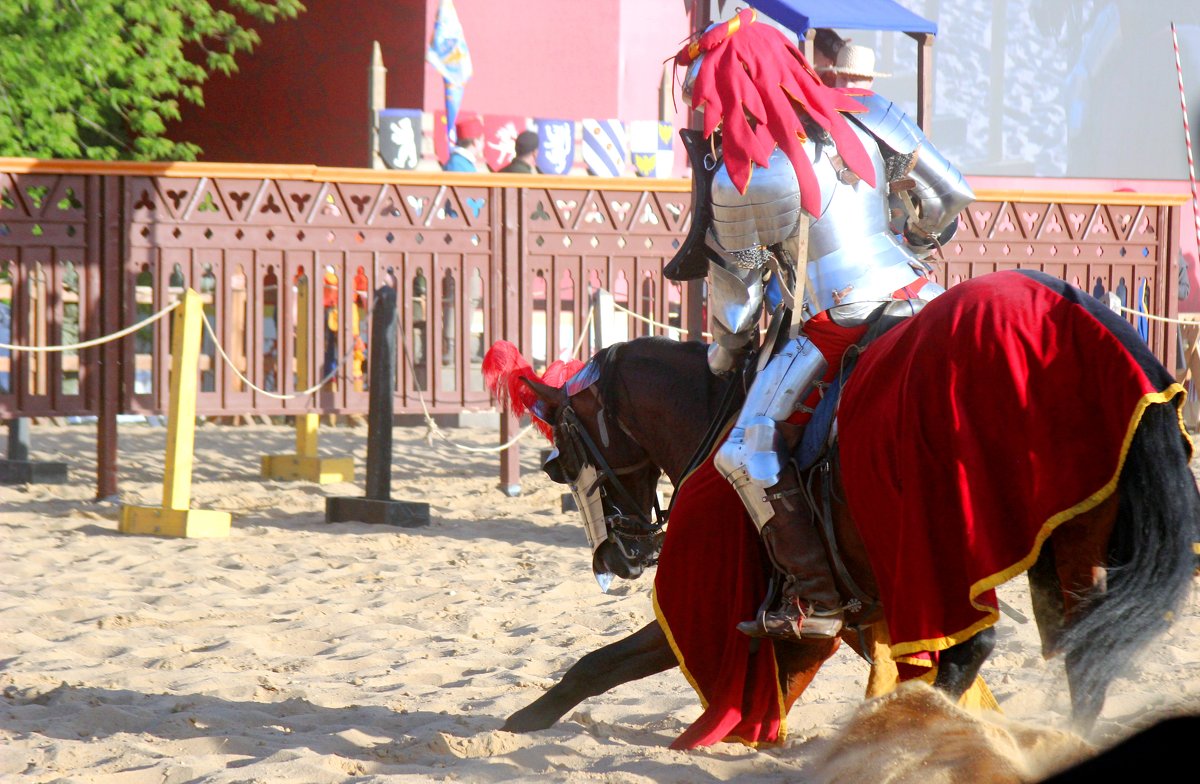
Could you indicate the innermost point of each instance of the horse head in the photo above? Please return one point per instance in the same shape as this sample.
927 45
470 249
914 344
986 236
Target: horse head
612 478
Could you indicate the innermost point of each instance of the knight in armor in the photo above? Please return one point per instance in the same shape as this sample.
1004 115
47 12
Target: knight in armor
832 198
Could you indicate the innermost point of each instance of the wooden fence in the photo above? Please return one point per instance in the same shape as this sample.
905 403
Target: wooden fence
89 248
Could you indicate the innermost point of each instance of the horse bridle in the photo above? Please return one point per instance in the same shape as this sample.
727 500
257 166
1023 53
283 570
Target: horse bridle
583 452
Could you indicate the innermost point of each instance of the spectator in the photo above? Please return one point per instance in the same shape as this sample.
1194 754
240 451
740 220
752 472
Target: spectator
525 160
826 45
464 155
854 67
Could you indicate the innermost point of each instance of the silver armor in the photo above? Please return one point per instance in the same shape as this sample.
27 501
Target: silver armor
754 454
939 191
855 262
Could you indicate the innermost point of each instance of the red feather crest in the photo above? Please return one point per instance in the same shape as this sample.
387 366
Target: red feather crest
751 71
503 371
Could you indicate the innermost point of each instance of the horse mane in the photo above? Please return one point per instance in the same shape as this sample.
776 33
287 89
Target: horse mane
656 350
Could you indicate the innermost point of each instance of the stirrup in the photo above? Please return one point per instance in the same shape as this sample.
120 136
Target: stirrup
792 622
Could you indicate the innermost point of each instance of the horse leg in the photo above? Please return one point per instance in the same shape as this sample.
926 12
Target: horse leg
1046 597
644 653
959 665
1084 547
799 663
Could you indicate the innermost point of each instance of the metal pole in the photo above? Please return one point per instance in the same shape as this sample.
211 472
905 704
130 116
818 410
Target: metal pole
18 439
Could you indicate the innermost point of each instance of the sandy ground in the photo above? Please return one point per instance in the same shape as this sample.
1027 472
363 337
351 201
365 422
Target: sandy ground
301 651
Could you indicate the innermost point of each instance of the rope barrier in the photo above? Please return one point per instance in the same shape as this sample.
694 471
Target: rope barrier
431 427
303 393
1163 319
95 341
654 323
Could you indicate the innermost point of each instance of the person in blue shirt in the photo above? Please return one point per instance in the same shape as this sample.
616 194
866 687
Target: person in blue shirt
464 154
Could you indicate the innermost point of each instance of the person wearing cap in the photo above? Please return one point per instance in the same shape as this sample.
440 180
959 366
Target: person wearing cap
792 181
854 68
464 154
525 159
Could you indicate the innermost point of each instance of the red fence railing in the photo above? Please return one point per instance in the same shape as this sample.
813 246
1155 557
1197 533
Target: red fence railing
88 248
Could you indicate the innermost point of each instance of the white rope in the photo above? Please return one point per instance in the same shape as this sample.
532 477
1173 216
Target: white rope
583 332
1163 319
95 341
304 393
654 323
431 427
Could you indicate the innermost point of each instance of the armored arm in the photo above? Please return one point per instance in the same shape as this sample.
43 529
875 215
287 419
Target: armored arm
931 190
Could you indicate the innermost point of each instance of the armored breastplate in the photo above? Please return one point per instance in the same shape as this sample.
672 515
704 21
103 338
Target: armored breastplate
853 254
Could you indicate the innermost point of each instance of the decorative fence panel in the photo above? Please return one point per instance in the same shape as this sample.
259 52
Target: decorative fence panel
286 259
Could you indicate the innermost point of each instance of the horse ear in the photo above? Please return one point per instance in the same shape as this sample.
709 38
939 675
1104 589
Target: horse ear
554 397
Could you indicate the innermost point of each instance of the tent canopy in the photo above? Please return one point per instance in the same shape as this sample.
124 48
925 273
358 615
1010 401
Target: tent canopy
801 15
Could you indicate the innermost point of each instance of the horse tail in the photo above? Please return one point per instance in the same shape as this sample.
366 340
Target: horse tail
1151 558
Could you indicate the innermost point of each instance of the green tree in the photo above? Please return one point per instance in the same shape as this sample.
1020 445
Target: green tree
100 79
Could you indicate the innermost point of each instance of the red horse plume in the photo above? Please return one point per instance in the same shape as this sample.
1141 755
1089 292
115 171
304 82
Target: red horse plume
503 371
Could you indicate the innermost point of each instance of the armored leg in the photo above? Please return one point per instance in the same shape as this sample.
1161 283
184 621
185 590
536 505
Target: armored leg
755 459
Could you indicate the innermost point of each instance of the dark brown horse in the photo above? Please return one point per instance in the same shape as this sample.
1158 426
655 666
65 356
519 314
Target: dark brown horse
1101 583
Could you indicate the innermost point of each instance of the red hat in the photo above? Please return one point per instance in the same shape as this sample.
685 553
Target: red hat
468 128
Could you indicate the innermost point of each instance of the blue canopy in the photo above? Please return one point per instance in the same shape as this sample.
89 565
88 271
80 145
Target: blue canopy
800 15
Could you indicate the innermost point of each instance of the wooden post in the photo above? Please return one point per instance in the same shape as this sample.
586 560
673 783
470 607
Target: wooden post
924 80
306 464
508 318
377 90
377 506
175 518
604 314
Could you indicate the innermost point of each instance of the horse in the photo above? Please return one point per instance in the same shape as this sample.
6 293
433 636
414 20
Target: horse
1105 570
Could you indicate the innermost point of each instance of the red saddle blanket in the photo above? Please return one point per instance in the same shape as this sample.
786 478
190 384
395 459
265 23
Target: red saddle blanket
711 575
970 432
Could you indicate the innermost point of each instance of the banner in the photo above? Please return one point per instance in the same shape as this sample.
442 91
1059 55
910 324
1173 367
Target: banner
400 138
556 146
500 139
449 56
604 148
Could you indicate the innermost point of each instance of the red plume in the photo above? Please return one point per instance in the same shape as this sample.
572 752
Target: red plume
751 83
503 369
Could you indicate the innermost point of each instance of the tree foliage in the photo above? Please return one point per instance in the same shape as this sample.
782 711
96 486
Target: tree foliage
100 79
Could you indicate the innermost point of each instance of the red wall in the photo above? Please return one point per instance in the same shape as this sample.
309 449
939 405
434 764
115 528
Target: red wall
302 96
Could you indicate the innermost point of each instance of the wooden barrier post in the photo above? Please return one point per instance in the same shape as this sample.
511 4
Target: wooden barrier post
604 318
306 464
174 518
378 506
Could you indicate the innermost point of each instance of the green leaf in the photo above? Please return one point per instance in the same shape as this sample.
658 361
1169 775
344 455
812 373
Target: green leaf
100 79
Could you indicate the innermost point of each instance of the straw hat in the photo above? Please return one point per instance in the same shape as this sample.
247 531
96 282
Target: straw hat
855 60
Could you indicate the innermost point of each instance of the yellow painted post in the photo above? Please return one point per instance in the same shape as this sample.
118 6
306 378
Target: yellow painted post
174 518
306 464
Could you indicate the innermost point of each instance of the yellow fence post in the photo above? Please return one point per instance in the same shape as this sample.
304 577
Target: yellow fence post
174 518
306 464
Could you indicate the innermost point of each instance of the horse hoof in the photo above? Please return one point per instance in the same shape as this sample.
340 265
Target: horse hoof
519 724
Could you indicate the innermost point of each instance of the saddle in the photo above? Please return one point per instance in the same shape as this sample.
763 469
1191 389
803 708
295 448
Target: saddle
821 431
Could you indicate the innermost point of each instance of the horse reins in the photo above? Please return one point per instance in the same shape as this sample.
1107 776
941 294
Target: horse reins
612 476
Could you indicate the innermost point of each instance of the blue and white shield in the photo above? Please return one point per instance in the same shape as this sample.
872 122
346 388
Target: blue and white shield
400 138
556 146
604 148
